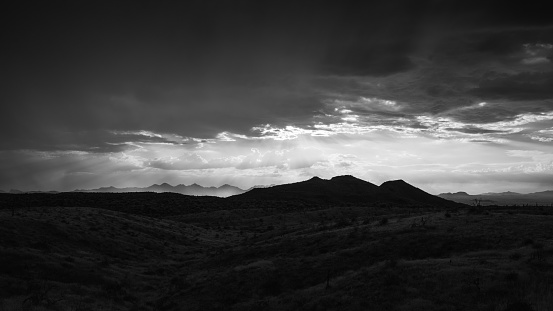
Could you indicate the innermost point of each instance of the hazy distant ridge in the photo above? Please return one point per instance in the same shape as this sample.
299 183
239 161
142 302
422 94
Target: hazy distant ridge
501 198
347 189
194 189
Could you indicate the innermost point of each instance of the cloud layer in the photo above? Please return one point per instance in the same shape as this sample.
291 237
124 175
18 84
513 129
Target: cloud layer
444 93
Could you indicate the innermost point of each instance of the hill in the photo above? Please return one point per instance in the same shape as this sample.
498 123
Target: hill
346 189
410 193
162 251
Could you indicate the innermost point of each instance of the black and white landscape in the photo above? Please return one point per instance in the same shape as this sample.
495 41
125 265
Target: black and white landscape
338 244
276 155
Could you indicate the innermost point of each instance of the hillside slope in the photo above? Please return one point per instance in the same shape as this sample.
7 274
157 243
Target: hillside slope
346 189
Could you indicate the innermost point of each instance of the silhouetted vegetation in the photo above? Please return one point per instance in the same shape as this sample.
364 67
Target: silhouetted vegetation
148 251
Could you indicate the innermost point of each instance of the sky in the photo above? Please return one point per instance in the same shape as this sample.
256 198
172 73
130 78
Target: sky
446 95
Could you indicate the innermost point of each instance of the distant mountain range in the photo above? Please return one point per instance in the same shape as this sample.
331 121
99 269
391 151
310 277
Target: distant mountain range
194 189
346 189
501 198
339 189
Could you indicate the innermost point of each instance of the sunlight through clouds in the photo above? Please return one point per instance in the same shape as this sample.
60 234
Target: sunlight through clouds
542 135
447 106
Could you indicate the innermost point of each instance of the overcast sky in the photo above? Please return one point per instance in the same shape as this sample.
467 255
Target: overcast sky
447 95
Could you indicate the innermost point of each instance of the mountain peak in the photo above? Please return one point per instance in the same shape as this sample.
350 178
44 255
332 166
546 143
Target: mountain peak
403 189
395 182
347 189
315 178
344 177
459 193
338 190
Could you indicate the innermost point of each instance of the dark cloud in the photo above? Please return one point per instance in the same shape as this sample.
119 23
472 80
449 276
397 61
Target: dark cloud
32 170
93 141
483 141
523 86
491 112
473 130
506 42
370 62
77 70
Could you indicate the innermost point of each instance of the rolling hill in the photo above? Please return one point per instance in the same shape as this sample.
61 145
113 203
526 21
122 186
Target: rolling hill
346 189
358 246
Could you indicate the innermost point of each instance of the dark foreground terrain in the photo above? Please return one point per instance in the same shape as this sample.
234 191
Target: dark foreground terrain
172 252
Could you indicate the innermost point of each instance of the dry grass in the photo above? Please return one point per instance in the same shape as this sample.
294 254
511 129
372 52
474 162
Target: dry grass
332 258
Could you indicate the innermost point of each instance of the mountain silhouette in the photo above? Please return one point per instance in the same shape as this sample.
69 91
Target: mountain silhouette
410 193
501 193
346 189
337 189
194 189
453 193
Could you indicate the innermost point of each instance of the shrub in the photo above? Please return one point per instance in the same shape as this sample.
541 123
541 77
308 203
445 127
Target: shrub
511 277
391 263
272 286
519 305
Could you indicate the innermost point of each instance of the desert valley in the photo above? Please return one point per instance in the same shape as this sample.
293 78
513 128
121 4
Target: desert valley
338 244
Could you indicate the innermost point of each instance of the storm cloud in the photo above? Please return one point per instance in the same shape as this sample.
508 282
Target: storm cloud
195 86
